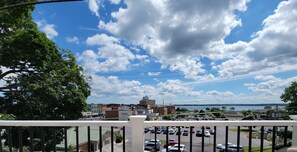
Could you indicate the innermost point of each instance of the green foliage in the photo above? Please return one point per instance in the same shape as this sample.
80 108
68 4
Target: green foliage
282 133
290 96
246 113
167 117
218 115
7 117
268 107
182 110
248 118
214 109
257 149
42 82
119 138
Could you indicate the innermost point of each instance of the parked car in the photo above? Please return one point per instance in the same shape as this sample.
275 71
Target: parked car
171 142
171 131
178 132
146 130
164 131
232 148
159 131
149 145
148 149
175 147
199 133
186 133
153 141
212 131
222 146
207 133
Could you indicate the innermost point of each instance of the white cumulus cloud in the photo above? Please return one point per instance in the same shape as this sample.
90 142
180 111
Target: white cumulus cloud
111 56
72 40
48 29
94 6
153 73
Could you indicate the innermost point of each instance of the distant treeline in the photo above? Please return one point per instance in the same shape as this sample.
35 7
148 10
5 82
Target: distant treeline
234 105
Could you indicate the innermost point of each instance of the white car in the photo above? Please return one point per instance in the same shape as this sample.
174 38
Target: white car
174 148
222 146
207 134
171 131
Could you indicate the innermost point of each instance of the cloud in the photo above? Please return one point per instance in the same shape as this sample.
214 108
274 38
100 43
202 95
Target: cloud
175 27
189 67
116 2
48 29
72 40
111 87
153 73
111 56
271 50
94 6
270 85
101 39
277 39
218 93
175 87
178 33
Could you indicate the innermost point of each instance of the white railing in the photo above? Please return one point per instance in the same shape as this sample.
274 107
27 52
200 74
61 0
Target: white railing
137 123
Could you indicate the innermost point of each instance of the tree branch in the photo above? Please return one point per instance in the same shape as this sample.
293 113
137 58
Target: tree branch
2 75
8 88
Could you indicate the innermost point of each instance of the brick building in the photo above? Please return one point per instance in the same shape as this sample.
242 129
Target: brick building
146 101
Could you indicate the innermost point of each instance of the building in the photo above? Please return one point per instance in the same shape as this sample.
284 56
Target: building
125 112
164 110
112 115
94 108
83 138
145 101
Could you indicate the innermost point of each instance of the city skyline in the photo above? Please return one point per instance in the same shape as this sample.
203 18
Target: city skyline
198 52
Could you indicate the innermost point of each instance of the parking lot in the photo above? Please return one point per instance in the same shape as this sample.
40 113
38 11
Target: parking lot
209 141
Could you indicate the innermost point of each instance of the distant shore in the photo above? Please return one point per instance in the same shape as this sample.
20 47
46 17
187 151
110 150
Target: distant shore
236 107
263 104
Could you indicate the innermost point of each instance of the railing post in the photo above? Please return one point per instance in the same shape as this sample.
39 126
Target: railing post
294 138
137 125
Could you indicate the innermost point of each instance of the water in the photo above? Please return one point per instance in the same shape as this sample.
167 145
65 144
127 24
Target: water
229 107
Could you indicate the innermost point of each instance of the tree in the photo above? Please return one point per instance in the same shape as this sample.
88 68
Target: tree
246 113
290 96
167 117
41 82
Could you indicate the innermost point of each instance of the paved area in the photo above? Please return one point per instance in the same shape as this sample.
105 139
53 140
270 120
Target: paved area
197 141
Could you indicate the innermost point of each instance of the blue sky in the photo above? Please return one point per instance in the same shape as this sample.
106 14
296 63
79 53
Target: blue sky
193 51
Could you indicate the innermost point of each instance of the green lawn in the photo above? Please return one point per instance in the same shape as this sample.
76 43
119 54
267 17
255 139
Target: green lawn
257 149
242 130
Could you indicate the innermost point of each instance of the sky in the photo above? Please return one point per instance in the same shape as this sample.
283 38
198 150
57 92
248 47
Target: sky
178 52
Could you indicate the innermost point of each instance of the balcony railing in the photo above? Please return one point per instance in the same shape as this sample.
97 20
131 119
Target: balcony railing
14 133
